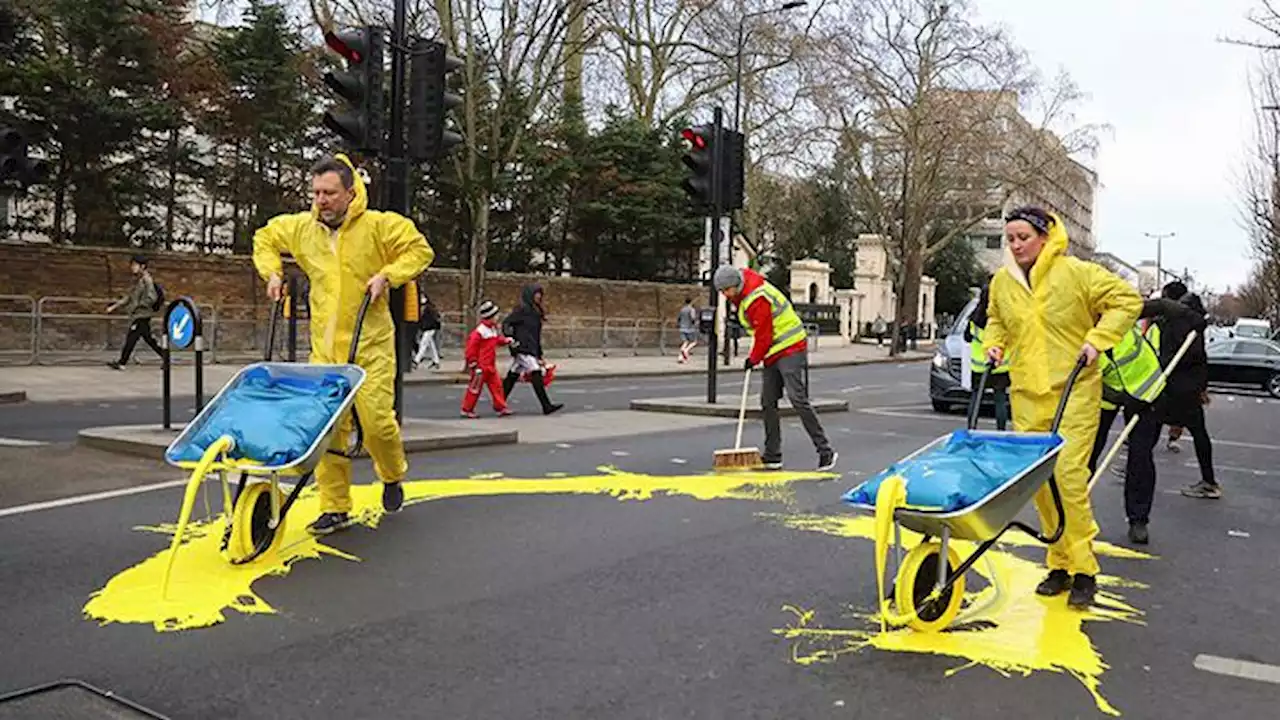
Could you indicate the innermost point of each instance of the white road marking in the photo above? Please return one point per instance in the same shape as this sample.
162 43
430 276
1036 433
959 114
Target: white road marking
92 497
1255 446
853 389
624 453
19 442
1261 672
679 461
1238 533
1230 468
566 446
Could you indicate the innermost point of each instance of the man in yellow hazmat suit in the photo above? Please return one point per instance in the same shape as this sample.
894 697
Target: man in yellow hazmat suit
347 249
1046 311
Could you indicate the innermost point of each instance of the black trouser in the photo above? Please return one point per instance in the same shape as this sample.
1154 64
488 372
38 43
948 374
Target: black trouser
1193 422
1105 421
1140 469
999 395
536 380
138 329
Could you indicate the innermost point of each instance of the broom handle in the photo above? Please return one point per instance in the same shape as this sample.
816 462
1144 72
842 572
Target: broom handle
742 410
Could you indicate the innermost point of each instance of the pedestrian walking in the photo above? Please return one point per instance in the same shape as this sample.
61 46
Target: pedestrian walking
524 325
428 326
481 357
780 345
1178 313
687 323
144 299
878 328
998 378
1047 311
349 250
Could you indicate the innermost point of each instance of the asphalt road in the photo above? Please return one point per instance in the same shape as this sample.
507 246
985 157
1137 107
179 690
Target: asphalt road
563 606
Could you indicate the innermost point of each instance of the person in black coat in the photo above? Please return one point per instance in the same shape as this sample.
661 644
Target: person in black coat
1178 313
524 326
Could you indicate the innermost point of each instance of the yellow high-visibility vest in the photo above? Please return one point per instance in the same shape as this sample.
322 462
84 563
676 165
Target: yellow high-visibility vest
978 359
787 325
1131 368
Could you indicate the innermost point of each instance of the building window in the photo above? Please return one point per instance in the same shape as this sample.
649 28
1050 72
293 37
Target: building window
994 242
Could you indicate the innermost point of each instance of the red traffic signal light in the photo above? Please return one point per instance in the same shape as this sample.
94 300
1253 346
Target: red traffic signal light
360 123
700 159
695 140
350 44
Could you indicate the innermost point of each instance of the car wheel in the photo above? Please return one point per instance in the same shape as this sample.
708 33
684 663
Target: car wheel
942 407
1272 385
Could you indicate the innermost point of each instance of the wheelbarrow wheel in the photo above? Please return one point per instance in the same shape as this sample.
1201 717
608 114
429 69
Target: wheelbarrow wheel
916 581
251 533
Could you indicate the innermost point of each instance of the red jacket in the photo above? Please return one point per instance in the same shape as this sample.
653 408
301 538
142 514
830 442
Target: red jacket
760 316
482 346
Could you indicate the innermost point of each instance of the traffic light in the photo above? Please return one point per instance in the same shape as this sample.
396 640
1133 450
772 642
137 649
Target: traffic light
15 166
733 156
430 100
360 85
699 157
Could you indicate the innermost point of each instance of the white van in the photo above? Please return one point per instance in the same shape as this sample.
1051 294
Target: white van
1251 328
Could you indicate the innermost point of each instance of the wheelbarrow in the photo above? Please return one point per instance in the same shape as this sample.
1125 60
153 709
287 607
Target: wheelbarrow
270 424
1007 469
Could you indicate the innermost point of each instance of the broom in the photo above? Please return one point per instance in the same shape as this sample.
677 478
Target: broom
739 458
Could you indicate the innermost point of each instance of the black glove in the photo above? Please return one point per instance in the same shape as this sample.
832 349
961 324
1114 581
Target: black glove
748 364
1134 406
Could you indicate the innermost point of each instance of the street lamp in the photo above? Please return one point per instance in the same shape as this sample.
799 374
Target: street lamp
1159 238
742 28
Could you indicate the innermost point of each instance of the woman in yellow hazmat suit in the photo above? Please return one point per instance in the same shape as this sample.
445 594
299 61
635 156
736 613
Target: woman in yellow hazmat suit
345 249
1046 311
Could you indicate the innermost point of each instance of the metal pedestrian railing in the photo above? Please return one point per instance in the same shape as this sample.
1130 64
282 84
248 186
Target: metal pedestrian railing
68 330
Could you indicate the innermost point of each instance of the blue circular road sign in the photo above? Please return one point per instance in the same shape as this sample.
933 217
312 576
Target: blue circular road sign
181 326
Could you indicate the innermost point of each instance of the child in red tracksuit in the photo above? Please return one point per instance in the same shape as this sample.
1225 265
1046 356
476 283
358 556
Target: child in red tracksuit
482 362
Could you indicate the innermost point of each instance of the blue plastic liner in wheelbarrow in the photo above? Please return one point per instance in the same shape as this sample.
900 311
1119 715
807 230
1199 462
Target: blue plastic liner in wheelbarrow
959 472
274 420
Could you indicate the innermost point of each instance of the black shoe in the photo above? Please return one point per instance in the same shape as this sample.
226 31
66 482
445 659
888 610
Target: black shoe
392 496
552 408
827 460
1138 533
773 463
1056 583
1083 588
114 365
329 523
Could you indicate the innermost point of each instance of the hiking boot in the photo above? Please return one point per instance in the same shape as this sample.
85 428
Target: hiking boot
1138 533
1083 588
392 496
1057 582
329 522
827 460
1203 490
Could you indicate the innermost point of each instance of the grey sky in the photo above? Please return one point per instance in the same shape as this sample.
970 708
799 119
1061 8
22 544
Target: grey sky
1179 106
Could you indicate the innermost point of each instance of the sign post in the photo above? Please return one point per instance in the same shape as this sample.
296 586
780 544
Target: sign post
183 330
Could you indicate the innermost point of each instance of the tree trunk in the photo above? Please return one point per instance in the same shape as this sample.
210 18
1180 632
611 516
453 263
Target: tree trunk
479 246
908 301
60 199
172 200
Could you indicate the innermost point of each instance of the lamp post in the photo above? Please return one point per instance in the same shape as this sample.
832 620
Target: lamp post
742 29
1159 238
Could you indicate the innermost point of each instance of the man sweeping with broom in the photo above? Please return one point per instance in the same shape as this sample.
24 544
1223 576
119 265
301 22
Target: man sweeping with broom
780 344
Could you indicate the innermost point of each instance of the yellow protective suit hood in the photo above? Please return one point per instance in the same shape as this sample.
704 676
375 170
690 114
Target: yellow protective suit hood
1042 322
339 264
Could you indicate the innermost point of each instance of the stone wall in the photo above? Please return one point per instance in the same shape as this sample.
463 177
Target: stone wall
222 281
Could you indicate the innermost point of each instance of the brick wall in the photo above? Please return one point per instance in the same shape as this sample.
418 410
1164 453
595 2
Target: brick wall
232 281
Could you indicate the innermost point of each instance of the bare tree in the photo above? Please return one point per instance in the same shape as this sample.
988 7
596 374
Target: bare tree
943 123
1259 188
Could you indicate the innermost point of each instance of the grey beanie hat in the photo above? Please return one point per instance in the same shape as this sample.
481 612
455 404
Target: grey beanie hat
727 276
488 309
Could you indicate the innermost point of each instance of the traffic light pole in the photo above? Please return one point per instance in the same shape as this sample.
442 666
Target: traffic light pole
716 203
397 179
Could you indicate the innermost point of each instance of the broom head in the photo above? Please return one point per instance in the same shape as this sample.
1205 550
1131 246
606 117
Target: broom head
737 459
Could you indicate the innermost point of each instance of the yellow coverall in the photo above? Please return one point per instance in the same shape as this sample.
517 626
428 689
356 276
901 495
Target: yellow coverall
340 264
1041 323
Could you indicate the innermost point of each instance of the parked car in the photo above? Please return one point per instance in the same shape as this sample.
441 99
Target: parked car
1251 328
1245 362
948 369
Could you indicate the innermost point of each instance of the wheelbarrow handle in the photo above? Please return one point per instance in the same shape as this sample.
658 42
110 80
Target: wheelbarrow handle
355 334
975 402
271 330
1066 393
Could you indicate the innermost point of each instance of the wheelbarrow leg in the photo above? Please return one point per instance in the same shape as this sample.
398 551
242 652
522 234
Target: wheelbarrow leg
942 558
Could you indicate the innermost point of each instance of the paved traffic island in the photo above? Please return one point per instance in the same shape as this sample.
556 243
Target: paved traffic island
727 406
420 436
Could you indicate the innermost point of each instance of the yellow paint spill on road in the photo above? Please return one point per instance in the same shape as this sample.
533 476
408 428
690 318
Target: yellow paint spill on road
204 585
1022 634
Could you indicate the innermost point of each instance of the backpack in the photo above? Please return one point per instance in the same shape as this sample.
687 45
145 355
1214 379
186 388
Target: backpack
159 303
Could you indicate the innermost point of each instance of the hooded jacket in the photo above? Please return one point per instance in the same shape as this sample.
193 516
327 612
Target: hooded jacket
1176 319
524 324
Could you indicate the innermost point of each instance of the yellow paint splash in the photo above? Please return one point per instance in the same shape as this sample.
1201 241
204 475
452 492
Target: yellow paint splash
1022 634
204 585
